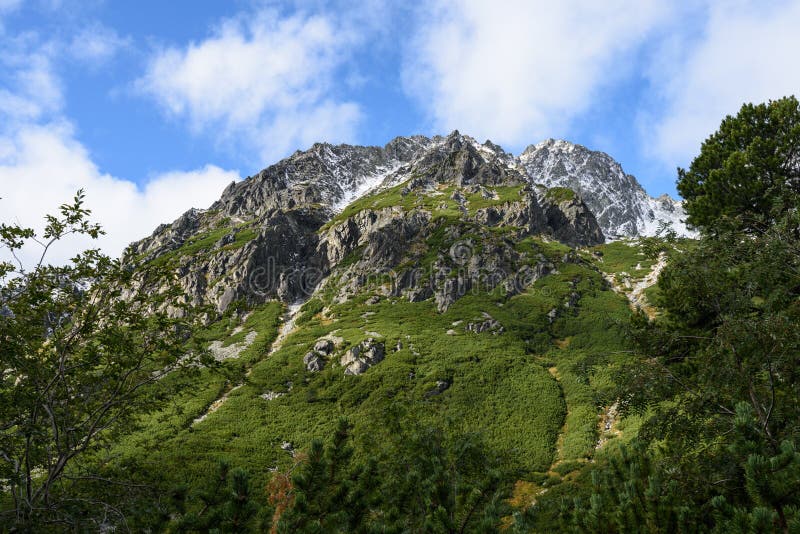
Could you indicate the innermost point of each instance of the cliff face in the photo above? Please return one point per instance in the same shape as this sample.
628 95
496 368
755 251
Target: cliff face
426 218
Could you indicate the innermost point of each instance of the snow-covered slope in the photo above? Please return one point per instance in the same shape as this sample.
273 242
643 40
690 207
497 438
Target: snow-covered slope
622 207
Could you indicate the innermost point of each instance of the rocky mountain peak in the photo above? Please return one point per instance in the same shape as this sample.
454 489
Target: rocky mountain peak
282 232
622 207
325 175
460 160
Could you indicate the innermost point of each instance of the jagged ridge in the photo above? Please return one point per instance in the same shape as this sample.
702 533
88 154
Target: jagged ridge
280 233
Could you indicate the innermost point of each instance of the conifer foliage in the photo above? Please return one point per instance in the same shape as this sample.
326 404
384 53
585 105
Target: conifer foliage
719 373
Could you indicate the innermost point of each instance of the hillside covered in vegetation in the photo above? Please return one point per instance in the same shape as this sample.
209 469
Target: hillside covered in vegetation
457 349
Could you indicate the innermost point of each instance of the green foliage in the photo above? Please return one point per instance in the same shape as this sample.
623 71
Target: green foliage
426 473
580 434
500 195
329 492
422 479
560 194
623 256
242 237
79 363
439 202
498 385
192 396
309 310
438 433
720 368
746 174
771 481
661 243
385 199
203 243
227 504
264 321
632 494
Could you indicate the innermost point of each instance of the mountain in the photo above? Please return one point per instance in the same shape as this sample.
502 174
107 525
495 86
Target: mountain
279 233
430 285
620 204
430 336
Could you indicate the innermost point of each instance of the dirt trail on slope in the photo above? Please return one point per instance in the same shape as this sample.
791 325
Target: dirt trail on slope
286 327
636 293
608 425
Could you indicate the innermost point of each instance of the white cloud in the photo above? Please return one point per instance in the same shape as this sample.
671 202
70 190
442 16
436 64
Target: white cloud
42 166
747 52
522 72
96 44
33 90
47 166
264 81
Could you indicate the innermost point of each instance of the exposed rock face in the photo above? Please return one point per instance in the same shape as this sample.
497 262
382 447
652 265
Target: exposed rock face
383 238
460 160
314 362
281 233
358 359
571 222
278 261
325 174
323 346
620 204
316 358
486 324
383 233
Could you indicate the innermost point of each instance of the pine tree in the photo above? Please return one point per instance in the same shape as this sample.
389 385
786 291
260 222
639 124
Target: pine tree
748 172
725 355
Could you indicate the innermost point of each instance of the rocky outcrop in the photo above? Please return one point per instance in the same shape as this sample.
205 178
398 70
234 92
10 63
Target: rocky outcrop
325 175
324 346
316 358
570 221
384 235
278 260
361 357
486 324
461 161
441 387
280 233
314 362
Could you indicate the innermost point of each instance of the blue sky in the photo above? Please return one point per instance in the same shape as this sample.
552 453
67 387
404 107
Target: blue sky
154 107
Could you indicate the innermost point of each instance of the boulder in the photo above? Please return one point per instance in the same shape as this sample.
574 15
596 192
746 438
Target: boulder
323 346
361 357
314 362
441 387
488 324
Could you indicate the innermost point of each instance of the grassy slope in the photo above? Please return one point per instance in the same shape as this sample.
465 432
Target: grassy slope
500 384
